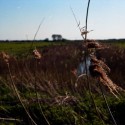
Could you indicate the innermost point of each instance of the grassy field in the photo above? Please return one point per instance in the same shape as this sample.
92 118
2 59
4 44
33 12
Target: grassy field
120 44
44 90
21 48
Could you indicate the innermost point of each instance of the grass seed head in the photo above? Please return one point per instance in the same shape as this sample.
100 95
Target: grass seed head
5 57
97 70
84 32
36 54
94 60
92 44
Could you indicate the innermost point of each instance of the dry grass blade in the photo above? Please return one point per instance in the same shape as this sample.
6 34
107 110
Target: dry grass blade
65 100
10 119
80 76
37 56
35 36
78 24
18 95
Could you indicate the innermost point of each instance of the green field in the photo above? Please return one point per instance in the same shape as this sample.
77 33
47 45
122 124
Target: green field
120 44
21 48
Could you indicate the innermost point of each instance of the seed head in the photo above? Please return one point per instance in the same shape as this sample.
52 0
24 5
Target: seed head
94 60
98 72
84 32
36 54
5 57
91 45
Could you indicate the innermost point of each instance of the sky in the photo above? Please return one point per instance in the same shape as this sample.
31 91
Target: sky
20 19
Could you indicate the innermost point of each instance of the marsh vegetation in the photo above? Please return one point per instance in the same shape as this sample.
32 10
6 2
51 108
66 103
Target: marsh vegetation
43 90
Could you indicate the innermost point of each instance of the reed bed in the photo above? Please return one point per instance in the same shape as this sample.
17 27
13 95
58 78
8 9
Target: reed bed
49 79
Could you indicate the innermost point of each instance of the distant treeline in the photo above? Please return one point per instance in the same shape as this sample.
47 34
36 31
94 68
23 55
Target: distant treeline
45 40
64 40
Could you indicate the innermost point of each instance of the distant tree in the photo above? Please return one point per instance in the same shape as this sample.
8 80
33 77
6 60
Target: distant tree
56 37
59 37
46 39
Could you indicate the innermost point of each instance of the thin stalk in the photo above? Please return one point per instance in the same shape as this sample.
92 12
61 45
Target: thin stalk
10 119
35 36
86 51
37 94
17 93
78 24
106 102
86 26
38 28
86 68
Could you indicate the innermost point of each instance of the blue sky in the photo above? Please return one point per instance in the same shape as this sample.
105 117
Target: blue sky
19 19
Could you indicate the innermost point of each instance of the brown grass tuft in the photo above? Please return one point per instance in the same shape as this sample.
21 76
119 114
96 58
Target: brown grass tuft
94 60
98 69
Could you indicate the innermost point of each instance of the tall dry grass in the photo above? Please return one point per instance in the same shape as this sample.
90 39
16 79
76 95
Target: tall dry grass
51 80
